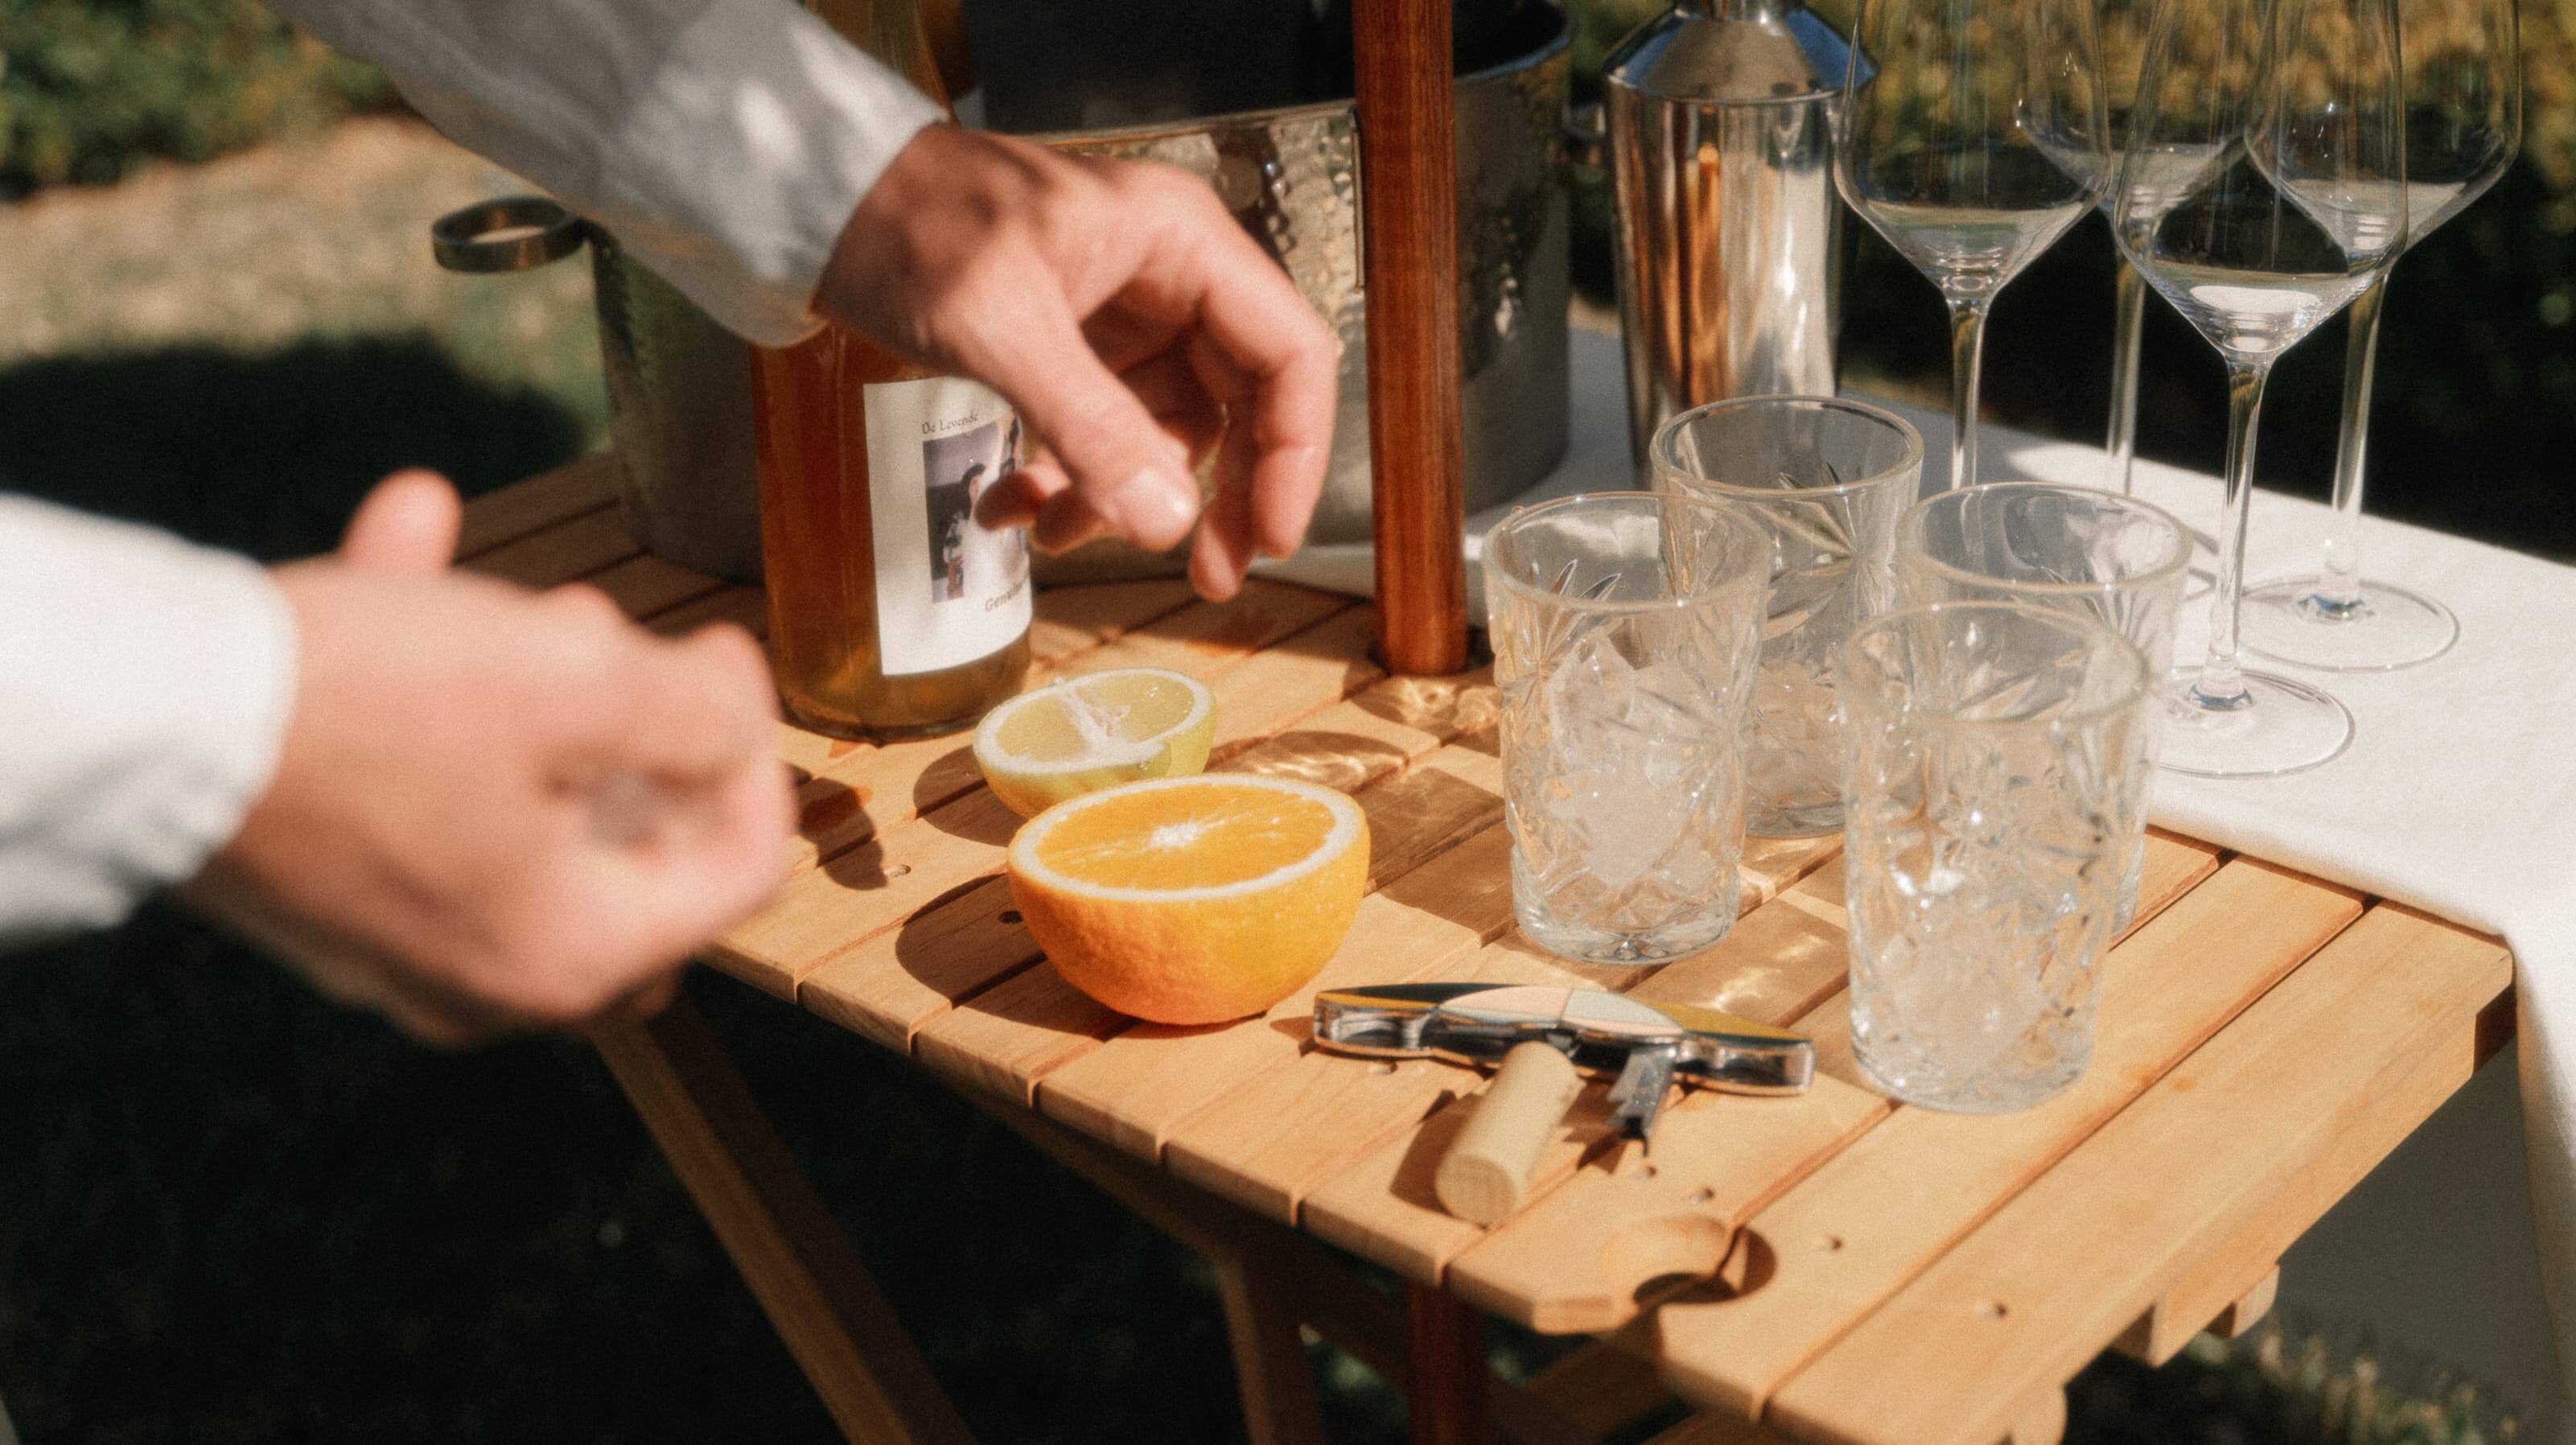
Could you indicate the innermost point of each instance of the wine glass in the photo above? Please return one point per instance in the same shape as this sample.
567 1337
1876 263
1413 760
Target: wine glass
1971 138
2122 29
2463 118
2261 188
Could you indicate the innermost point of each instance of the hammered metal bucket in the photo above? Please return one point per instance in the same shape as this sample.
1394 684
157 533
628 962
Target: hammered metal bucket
679 394
679 385
1290 175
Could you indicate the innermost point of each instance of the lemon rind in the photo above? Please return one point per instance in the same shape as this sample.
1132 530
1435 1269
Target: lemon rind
1348 821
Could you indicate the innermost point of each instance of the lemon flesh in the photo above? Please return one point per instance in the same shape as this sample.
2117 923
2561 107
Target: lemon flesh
1094 731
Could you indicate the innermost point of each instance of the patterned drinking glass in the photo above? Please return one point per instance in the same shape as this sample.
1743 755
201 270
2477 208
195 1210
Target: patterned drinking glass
2078 550
1994 751
1827 479
1625 629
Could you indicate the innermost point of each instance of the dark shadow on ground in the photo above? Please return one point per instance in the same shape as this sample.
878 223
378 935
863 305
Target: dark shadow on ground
265 452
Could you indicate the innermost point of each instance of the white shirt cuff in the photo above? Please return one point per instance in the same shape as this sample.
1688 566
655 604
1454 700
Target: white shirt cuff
149 684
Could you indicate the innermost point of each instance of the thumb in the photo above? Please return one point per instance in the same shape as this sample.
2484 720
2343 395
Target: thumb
1121 462
407 523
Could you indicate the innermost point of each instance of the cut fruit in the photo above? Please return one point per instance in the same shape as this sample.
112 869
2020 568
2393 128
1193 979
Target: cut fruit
1094 731
1192 900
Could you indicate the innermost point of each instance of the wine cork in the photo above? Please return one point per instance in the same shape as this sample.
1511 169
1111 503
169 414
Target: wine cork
1485 1175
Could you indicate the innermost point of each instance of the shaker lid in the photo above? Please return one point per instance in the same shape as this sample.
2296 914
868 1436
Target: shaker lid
1732 52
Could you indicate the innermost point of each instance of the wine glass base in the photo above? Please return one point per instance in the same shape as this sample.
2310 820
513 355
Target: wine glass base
2391 628
2279 727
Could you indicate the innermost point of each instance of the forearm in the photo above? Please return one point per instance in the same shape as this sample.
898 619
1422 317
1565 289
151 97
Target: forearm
144 687
724 142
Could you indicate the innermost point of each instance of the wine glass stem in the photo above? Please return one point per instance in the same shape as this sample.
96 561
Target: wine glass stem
2222 684
2129 324
2339 576
1967 352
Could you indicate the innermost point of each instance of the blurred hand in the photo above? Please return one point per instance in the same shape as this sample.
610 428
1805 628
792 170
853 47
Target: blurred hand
498 810
1128 318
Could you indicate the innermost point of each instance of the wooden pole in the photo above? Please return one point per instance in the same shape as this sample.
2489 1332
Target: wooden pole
1409 215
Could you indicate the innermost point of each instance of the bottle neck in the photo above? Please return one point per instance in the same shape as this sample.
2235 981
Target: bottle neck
892 31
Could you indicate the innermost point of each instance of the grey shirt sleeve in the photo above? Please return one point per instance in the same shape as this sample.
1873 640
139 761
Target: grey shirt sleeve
723 142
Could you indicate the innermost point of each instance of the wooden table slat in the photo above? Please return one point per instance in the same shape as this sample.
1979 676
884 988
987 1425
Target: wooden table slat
891 987
591 542
1855 1250
542 501
1075 619
645 586
1274 1143
866 879
1017 1025
744 607
2021 1303
1853 1233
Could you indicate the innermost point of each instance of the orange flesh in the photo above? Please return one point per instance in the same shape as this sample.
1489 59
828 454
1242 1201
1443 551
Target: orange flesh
1170 838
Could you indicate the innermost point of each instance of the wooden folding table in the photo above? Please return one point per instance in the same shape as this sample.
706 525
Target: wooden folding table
1834 1266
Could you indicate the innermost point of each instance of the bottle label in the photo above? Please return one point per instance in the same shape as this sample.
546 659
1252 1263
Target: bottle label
949 590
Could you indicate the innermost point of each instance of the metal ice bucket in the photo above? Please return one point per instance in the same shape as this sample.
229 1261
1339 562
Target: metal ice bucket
679 387
1290 175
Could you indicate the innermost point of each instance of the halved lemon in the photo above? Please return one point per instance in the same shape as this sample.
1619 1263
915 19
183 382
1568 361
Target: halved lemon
1192 900
1090 732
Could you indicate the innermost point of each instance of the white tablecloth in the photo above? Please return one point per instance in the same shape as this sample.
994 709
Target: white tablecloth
2457 795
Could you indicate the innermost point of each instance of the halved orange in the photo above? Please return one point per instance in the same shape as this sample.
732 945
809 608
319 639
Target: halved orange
1192 900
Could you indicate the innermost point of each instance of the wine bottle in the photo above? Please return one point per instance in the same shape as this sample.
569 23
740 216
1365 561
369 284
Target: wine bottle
892 611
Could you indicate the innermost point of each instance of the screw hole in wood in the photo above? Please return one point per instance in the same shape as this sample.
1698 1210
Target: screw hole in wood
1010 915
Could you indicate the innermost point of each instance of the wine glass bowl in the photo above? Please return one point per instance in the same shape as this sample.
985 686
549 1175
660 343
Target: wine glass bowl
2462 98
2261 188
1971 137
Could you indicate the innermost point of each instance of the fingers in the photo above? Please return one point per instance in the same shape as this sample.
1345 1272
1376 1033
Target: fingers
1264 354
662 902
1222 553
407 523
636 715
1168 386
1022 340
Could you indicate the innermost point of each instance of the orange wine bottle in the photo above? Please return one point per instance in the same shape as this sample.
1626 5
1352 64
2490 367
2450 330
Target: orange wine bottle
892 612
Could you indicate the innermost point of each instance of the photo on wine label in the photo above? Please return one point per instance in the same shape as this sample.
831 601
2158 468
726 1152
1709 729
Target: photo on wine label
969 561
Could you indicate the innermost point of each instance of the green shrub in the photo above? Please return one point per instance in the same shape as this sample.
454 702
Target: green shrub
88 88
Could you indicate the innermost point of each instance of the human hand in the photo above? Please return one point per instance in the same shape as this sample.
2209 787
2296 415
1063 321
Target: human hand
497 810
1128 318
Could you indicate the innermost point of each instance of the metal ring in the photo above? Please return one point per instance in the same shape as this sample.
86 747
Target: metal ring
509 234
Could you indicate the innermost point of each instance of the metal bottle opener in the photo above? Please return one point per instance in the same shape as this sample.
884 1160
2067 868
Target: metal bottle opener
1644 1047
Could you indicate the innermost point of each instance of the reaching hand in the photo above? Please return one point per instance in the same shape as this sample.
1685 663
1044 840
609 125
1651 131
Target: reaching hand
497 810
1128 318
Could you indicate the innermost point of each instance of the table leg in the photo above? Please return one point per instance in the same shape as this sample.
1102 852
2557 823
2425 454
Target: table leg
817 1294
1450 1371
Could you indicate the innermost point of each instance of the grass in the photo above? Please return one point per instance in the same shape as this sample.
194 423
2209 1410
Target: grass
237 349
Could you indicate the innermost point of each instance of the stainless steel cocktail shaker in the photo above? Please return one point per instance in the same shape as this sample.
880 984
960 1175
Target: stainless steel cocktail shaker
1720 131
